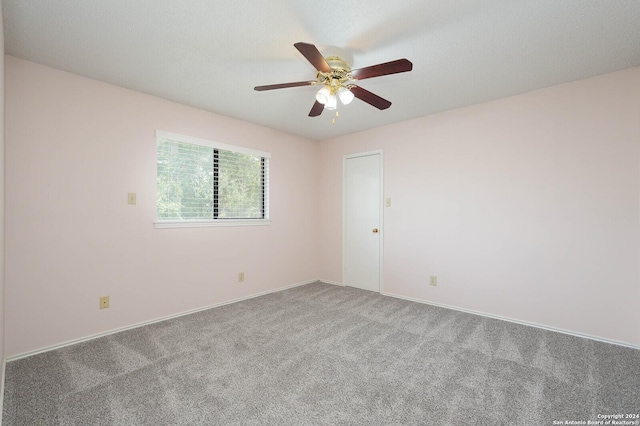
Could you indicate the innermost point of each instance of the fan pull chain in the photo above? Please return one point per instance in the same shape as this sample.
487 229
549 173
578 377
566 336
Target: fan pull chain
333 120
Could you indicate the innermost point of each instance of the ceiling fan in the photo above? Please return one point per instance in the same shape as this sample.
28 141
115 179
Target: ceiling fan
337 80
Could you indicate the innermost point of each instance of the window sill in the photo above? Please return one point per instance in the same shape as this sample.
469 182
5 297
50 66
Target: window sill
211 223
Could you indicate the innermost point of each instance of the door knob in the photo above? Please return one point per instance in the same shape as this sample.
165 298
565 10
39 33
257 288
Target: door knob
375 230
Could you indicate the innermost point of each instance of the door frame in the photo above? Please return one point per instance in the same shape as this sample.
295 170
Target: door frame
346 157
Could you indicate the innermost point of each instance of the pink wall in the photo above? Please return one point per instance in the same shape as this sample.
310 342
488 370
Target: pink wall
75 147
525 207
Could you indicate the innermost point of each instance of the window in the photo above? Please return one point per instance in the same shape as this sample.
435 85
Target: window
204 183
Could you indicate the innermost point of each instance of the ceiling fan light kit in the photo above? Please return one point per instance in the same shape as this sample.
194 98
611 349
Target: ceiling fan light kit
337 80
328 95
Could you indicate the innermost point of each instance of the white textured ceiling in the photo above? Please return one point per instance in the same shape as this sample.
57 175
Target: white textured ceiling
210 54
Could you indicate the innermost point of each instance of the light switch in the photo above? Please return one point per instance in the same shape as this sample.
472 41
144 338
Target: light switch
131 199
387 202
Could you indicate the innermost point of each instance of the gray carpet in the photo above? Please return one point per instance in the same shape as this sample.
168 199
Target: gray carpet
322 354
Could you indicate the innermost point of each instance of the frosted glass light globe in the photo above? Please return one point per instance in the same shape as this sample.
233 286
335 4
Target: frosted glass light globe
323 95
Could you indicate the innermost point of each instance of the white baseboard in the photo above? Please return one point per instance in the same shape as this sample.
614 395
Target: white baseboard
331 282
498 317
141 324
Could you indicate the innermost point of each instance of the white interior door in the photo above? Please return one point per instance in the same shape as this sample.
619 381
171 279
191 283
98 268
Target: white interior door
362 220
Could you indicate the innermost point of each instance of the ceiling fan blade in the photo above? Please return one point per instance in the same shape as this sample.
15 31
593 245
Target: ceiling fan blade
316 109
314 56
393 67
370 98
284 85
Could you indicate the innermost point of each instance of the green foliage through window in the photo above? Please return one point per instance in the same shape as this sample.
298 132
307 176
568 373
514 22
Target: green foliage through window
196 182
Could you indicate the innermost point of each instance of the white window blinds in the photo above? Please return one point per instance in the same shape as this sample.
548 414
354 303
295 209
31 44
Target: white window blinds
200 180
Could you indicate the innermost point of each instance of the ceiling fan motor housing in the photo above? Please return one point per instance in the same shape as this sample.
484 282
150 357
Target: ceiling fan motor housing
340 73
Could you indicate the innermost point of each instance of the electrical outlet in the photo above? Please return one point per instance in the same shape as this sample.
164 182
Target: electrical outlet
104 302
131 198
433 280
240 277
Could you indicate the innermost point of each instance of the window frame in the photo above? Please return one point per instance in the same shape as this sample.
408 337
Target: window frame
203 223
